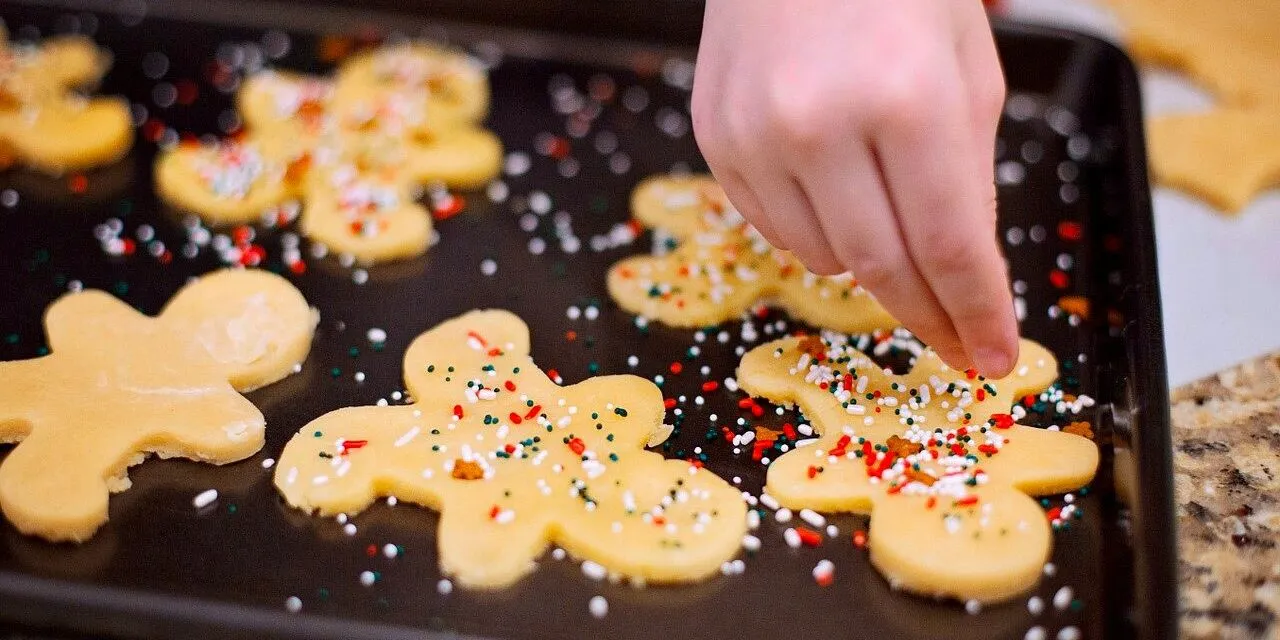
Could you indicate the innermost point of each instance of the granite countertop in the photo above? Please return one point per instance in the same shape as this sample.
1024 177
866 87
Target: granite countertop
1226 433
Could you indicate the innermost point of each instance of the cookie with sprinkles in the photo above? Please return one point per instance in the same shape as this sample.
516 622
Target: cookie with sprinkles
515 463
119 386
720 266
43 123
355 160
934 455
454 86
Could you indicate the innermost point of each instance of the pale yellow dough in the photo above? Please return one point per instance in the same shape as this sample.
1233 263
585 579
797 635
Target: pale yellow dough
119 385
355 150
924 537
560 465
722 267
43 124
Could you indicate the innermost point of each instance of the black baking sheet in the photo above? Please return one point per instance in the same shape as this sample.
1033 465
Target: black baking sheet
1074 220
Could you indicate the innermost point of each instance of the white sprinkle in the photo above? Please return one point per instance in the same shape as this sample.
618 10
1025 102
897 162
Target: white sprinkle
390 551
367 578
1035 633
349 529
488 267
1050 569
783 515
792 538
444 587
598 606
766 499
557 553
376 335
392 501
753 519
750 543
268 463
832 531
293 604
205 498
972 607
593 570
1069 633
633 361
814 518
1062 599
1035 605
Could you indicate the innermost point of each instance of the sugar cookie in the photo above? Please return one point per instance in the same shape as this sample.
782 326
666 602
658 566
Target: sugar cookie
514 463
119 386
453 85
43 124
722 267
929 454
354 157
1228 155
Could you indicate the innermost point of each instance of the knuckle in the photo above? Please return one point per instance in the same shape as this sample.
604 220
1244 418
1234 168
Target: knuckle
874 272
949 252
802 115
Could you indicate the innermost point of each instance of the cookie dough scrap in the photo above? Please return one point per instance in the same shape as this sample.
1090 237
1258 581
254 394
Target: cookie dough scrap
1228 154
43 123
355 151
932 455
515 463
722 266
119 386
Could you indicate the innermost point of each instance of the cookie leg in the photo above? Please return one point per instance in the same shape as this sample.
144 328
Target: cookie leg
57 487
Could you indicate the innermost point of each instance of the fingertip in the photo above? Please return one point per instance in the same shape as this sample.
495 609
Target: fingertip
995 361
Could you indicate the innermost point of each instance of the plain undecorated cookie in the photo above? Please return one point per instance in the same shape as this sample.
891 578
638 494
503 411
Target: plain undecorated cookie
515 463
119 386
958 525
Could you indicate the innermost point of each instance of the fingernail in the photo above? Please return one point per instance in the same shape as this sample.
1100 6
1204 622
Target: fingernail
993 363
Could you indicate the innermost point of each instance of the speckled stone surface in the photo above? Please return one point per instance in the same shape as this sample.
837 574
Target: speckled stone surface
1226 431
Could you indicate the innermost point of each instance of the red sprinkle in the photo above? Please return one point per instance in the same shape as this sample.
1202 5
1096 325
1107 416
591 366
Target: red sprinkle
533 412
709 386
1002 420
860 539
968 500
515 418
676 368
809 537
511 386
1059 279
669 403
577 446
457 411
1070 230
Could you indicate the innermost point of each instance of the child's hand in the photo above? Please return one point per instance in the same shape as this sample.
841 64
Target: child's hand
859 135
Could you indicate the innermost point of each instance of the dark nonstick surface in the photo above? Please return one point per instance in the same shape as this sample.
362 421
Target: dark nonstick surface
1074 216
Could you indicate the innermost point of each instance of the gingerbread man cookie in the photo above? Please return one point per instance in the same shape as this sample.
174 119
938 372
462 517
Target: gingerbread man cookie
354 157
119 386
722 267
43 124
514 463
933 455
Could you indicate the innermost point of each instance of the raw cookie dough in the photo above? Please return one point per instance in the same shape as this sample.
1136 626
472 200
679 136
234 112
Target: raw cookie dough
514 463
43 124
950 512
354 151
1228 154
722 267
454 86
119 385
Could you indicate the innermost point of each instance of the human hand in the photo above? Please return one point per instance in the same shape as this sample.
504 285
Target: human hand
859 135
